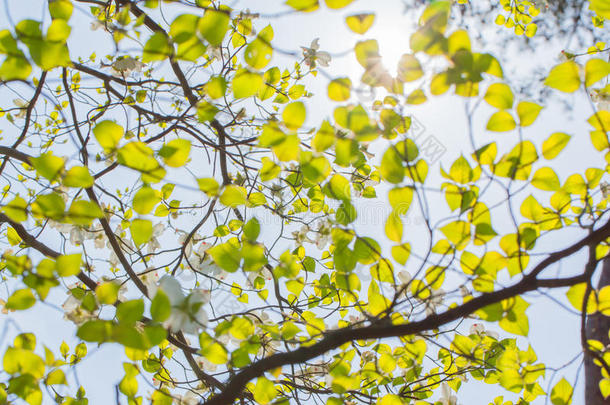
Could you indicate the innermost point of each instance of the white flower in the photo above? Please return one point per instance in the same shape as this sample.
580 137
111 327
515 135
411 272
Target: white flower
153 243
126 65
23 105
190 398
77 236
150 279
404 277
301 237
479 329
264 273
97 24
313 56
605 188
601 99
565 56
187 312
206 365
74 312
435 300
447 397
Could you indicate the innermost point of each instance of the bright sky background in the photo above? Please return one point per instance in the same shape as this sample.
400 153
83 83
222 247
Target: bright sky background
554 333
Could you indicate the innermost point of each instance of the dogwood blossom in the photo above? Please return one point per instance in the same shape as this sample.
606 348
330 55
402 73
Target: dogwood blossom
23 105
434 301
601 99
126 65
188 314
479 329
313 56
447 397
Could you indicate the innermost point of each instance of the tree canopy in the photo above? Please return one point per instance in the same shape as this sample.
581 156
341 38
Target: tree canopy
251 225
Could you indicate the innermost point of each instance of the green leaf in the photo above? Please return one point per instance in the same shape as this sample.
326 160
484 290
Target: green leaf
360 23
252 229
145 200
303 5
546 179
176 152
596 70
499 95
108 134
338 188
61 9
401 253
554 145
409 68
141 231
160 307
294 115
258 53
501 121
233 196
562 393
216 87
129 312
157 48
95 331
246 83
48 165
564 77
527 112
16 210
107 293
78 176
209 186
264 391
393 227
138 156
338 4
83 212
339 89
20 300
214 24
226 256
68 265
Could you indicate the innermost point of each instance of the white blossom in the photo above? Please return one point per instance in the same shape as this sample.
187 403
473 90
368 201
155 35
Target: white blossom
479 329
23 105
153 243
434 301
601 99
447 397
313 56
187 312
126 65
77 236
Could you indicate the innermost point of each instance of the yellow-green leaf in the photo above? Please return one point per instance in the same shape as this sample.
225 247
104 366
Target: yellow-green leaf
360 23
233 196
175 153
141 231
499 95
527 112
78 176
501 121
554 144
546 179
564 77
596 70
339 89
108 134
294 115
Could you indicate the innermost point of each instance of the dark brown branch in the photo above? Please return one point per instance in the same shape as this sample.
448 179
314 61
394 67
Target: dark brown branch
34 243
334 339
